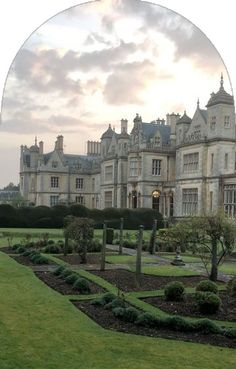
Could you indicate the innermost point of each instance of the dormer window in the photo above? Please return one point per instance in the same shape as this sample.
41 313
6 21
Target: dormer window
54 164
226 121
157 140
213 123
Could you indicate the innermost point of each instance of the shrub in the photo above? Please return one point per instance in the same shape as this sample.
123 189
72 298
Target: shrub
27 253
82 286
206 326
118 312
70 279
41 260
51 242
207 286
208 302
146 320
231 287
15 246
229 332
130 314
21 249
94 245
34 255
110 235
59 270
104 300
174 291
178 323
117 302
65 273
52 249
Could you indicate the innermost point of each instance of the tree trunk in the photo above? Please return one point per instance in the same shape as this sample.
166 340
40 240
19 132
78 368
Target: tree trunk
103 250
139 256
121 236
66 246
214 266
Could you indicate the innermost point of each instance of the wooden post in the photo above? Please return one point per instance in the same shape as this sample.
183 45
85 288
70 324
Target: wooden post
154 236
139 255
121 236
103 250
66 245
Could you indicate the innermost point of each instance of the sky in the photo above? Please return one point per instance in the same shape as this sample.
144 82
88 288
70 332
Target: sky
97 63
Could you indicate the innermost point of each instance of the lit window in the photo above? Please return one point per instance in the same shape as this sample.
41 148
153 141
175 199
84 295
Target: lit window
156 167
54 182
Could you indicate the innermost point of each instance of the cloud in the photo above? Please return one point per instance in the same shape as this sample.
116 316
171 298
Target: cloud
129 80
190 41
47 70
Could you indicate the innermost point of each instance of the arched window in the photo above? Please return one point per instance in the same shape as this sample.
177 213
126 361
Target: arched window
156 199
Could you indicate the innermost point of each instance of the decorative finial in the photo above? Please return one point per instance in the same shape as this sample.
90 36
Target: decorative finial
185 112
109 125
198 103
221 82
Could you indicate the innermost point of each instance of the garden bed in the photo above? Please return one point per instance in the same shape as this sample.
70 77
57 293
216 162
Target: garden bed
126 281
27 262
8 250
107 320
188 307
62 287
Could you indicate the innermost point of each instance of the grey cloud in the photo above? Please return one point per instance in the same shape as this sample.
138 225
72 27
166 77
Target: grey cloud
47 71
190 42
63 120
124 86
106 58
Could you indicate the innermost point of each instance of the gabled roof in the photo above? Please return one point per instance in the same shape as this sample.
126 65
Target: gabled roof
204 114
149 130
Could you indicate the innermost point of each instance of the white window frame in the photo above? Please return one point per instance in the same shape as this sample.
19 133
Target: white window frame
156 167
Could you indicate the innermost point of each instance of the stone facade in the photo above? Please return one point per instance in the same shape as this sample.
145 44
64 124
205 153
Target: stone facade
180 166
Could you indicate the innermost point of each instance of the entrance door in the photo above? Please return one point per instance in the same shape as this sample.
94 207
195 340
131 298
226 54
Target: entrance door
156 200
134 199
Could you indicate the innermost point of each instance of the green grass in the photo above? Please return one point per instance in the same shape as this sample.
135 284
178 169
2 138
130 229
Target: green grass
42 329
127 259
228 268
168 270
185 258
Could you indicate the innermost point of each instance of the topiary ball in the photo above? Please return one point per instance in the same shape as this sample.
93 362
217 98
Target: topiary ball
82 286
207 286
208 302
174 291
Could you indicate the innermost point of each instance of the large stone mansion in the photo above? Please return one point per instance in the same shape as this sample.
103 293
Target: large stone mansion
180 166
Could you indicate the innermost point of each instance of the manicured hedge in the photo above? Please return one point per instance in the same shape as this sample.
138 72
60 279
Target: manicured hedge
46 217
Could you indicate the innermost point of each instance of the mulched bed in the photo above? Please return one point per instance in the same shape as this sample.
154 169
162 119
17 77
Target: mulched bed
106 319
125 280
188 307
62 287
8 250
27 262
74 259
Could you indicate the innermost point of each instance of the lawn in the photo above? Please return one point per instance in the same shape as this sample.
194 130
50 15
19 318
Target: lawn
127 259
185 258
228 268
18 234
168 270
42 329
